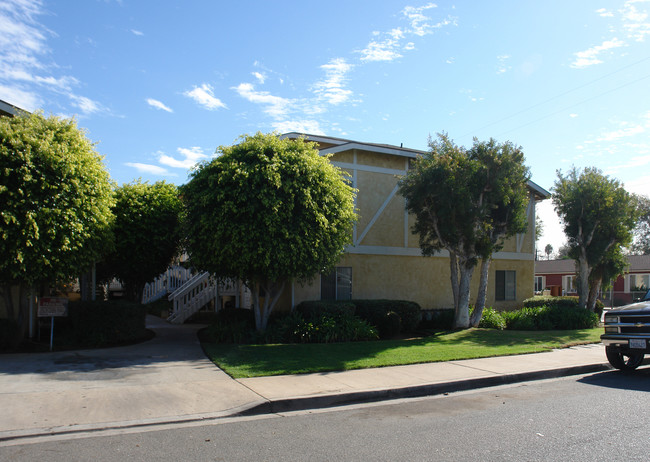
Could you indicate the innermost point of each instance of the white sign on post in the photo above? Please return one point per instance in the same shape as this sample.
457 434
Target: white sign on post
52 306
49 307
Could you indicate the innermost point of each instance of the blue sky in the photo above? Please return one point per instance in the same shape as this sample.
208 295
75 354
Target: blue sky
160 85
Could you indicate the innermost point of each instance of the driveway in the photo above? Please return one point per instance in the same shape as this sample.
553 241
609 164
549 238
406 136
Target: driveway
166 378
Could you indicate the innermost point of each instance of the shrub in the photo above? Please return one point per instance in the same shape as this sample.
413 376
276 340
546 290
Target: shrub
232 325
314 309
492 319
440 319
559 302
341 327
389 325
159 306
8 331
375 312
550 317
101 323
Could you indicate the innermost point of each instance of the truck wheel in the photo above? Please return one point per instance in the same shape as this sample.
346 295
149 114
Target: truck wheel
623 361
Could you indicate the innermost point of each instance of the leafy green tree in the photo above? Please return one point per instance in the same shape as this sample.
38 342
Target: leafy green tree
56 199
563 252
598 217
147 232
641 245
539 228
467 202
268 211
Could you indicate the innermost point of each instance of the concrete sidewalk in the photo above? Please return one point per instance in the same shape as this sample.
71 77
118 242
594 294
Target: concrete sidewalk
169 380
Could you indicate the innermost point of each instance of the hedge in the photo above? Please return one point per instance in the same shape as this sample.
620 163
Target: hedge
101 323
390 317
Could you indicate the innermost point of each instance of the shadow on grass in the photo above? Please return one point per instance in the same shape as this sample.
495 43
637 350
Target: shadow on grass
261 360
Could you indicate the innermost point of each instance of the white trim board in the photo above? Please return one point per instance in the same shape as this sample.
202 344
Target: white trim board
416 252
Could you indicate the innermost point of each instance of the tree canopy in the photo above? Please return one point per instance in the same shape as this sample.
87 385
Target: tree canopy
57 198
641 245
598 216
268 211
147 233
467 201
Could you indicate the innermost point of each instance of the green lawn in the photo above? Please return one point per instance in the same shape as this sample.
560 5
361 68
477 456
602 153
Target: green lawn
260 360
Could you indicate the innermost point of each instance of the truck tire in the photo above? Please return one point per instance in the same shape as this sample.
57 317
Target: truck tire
623 361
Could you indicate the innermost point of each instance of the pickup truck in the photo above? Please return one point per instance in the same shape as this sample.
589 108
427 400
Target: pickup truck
627 334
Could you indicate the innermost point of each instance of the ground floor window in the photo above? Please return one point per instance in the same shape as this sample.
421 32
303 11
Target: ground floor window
639 282
569 284
539 283
506 285
337 285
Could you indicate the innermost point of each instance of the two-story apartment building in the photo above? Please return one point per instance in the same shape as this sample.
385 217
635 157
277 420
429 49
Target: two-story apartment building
385 261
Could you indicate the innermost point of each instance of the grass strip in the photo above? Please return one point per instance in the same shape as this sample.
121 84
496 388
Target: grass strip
240 361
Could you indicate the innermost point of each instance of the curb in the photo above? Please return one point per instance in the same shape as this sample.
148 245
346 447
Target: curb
309 402
418 391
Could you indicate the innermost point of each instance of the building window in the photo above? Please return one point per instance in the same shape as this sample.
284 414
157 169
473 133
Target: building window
639 282
337 285
539 283
506 285
569 284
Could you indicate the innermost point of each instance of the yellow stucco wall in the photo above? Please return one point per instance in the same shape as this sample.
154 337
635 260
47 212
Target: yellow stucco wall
382 267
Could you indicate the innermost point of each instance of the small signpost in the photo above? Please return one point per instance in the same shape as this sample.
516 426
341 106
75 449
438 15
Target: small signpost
52 307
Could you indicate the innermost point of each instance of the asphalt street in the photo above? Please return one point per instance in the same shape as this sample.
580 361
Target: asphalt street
600 416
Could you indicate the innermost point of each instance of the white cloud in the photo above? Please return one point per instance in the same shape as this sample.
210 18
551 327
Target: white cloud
158 105
311 127
385 50
276 106
573 116
24 65
635 21
204 95
86 105
22 99
331 89
386 46
604 13
589 57
190 157
261 78
137 32
148 168
502 66
419 22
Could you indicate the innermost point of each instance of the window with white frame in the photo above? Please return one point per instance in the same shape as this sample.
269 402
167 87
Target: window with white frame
569 284
337 285
540 283
639 282
505 285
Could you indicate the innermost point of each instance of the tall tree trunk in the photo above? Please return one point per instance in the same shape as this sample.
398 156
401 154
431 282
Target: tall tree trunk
582 281
594 289
453 271
482 293
272 292
466 268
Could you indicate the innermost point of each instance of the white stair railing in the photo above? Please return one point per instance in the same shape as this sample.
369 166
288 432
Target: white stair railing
191 297
166 283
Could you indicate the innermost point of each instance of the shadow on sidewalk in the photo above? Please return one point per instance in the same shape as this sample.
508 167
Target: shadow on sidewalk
172 343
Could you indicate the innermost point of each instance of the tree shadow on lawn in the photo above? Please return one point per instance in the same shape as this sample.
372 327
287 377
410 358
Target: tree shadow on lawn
279 359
